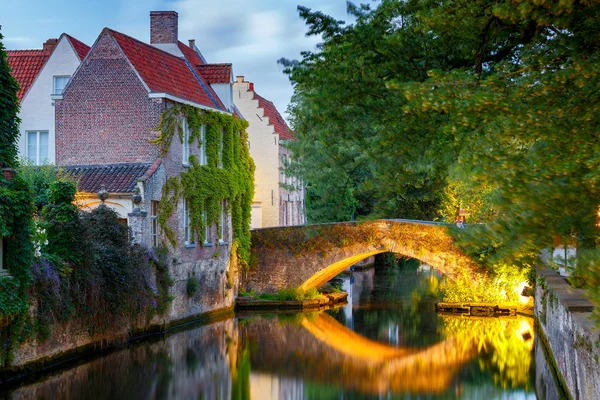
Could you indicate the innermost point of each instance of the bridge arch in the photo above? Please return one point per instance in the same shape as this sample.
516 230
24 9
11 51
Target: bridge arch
308 256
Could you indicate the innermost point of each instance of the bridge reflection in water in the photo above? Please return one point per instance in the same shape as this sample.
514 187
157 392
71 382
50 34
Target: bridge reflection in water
320 349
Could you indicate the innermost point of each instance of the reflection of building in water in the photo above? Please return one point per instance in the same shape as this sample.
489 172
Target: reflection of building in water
354 285
267 386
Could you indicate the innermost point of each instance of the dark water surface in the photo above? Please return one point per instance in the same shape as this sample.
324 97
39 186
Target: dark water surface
387 343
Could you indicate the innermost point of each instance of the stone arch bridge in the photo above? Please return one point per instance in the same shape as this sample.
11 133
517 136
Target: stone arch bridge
307 256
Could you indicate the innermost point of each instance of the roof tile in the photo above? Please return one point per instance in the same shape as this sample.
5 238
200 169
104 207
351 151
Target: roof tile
25 66
215 73
80 48
275 118
166 73
116 178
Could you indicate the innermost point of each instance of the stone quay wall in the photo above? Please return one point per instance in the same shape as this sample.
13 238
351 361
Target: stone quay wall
564 315
215 297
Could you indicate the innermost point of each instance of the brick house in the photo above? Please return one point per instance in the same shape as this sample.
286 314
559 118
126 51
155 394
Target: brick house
105 120
42 74
278 199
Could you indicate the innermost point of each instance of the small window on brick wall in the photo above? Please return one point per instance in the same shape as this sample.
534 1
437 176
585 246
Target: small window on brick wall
206 225
154 239
203 145
186 142
221 147
187 226
223 222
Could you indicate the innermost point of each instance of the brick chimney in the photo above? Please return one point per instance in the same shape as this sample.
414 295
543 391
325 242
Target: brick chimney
49 45
163 27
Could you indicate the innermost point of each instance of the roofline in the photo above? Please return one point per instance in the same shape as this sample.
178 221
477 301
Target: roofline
155 95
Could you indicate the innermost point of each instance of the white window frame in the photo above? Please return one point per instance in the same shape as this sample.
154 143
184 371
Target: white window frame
187 226
285 221
54 91
185 145
154 237
207 241
37 160
221 147
203 160
223 222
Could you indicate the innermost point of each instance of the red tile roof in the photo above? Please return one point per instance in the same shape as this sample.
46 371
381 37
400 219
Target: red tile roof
165 73
275 118
215 73
80 48
25 66
116 178
190 54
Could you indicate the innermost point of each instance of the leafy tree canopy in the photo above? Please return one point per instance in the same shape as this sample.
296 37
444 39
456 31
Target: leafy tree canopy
487 105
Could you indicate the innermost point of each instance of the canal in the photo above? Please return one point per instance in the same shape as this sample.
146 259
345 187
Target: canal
386 343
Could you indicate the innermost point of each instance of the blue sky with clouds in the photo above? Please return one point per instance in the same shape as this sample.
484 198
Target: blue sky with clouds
251 34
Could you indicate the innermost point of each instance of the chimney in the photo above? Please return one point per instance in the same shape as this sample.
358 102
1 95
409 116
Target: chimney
251 86
163 27
239 78
192 43
49 45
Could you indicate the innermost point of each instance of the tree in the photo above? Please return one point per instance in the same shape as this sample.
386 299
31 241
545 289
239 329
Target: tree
9 109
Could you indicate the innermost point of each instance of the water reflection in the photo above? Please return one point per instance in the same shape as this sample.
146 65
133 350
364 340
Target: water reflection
387 343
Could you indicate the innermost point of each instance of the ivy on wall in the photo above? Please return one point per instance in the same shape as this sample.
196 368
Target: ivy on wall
205 187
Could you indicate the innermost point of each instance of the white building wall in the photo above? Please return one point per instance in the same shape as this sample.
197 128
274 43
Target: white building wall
291 193
264 149
225 93
37 109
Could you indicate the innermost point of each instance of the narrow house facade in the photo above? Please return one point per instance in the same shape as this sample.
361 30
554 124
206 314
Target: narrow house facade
138 125
42 75
278 198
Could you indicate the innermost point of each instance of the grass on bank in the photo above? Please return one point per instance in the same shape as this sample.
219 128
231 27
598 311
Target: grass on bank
284 295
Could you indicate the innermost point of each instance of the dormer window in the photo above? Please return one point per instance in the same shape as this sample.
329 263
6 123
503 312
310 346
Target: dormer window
59 83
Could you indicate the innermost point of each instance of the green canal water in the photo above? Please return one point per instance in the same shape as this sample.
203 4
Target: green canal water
387 343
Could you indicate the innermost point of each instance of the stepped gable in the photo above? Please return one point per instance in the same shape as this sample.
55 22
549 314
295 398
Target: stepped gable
275 118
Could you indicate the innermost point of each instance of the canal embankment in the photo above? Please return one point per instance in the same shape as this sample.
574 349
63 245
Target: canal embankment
564 316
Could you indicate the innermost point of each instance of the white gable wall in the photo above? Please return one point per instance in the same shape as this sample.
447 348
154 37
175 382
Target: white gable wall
264 149
37 110
225 93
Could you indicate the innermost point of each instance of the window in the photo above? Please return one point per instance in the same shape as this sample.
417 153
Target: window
285 220
206 226
37 147
221 144
186 142
223 221
187 226
154 223
59 84
203 145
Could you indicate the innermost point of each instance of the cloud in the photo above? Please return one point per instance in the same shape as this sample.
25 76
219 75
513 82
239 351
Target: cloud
20 42
253 35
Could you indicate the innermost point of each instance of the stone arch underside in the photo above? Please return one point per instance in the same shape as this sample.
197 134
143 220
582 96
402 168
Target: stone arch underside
308 256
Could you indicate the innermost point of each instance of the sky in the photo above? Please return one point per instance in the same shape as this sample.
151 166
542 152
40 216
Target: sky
251 34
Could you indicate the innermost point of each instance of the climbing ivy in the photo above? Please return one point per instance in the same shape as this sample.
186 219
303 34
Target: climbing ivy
228 176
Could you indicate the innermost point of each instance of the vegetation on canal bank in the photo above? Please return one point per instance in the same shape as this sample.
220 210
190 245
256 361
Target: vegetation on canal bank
283 295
